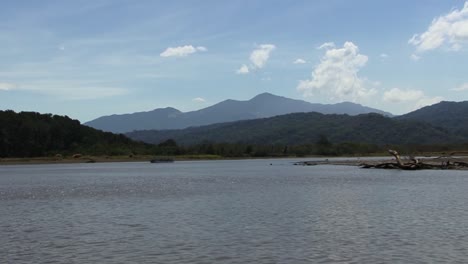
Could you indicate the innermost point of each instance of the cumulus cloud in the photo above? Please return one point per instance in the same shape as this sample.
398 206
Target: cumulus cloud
244 69
199 100
182 51
409 96
337 75
450 29
258 58
7 86
299 61
461 88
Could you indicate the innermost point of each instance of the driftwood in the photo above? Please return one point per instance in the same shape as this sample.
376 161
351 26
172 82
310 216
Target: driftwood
441 163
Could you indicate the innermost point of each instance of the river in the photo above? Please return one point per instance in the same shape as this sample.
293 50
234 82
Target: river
240 211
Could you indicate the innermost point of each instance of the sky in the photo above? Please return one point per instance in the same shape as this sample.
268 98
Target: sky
86 59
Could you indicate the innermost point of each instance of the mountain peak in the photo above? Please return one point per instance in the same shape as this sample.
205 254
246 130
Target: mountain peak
265 96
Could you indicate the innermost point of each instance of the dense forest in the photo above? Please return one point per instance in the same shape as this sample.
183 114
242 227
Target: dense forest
30 134
452 116
308 128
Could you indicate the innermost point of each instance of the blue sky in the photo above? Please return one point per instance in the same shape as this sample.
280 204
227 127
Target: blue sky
89 58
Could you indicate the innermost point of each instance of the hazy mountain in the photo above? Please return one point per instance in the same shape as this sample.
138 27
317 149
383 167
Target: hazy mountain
261 106
452 116
160 118
302 128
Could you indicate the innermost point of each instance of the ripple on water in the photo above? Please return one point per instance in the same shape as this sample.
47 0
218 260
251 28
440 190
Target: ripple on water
230 212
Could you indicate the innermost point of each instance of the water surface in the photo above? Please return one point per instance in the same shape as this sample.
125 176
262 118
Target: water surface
249 211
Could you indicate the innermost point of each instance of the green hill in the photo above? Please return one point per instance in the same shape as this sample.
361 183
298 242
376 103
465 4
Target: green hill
305 128
30 134
452 116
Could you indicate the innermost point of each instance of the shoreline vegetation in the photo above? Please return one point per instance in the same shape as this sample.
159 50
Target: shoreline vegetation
34 138
379 161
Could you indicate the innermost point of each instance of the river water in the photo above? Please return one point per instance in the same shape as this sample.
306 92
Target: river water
248 211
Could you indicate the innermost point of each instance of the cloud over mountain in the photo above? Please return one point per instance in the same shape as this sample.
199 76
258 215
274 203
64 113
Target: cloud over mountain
258 58
417 98
337 74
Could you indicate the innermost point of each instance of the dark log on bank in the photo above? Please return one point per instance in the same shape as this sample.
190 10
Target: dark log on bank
445 163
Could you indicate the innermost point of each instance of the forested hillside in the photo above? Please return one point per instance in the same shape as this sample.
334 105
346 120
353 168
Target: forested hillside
452 116
30 134
305 128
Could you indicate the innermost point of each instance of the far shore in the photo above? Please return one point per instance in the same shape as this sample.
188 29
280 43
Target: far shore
97 159
306 161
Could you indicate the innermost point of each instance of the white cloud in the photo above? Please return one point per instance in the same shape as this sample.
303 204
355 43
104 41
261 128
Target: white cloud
7 86
383 56
451 29
416 98
337 75
260 56
299 61
244 69
415 57
199 100
461 88
396 95
182 51
327 45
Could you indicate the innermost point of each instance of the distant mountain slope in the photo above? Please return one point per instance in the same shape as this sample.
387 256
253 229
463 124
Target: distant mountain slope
302 128
156 119
452 116
261 106
30 134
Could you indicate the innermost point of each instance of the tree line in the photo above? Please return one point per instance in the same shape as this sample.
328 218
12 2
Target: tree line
30 134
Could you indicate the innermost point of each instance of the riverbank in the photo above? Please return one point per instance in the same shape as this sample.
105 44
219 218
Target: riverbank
100 159
373 162
431 158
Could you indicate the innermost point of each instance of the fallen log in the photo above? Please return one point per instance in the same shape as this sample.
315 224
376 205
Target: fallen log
448 163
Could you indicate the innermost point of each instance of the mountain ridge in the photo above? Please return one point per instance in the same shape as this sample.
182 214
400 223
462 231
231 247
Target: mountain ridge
306 128
452 116
261 106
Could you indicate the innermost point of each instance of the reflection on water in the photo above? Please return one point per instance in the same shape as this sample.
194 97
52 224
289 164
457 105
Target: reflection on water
230 212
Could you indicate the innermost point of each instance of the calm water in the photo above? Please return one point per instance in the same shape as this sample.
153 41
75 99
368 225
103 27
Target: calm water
231 212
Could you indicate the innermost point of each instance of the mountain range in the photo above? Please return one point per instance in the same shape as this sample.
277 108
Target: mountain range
261 106
442 123
307 128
